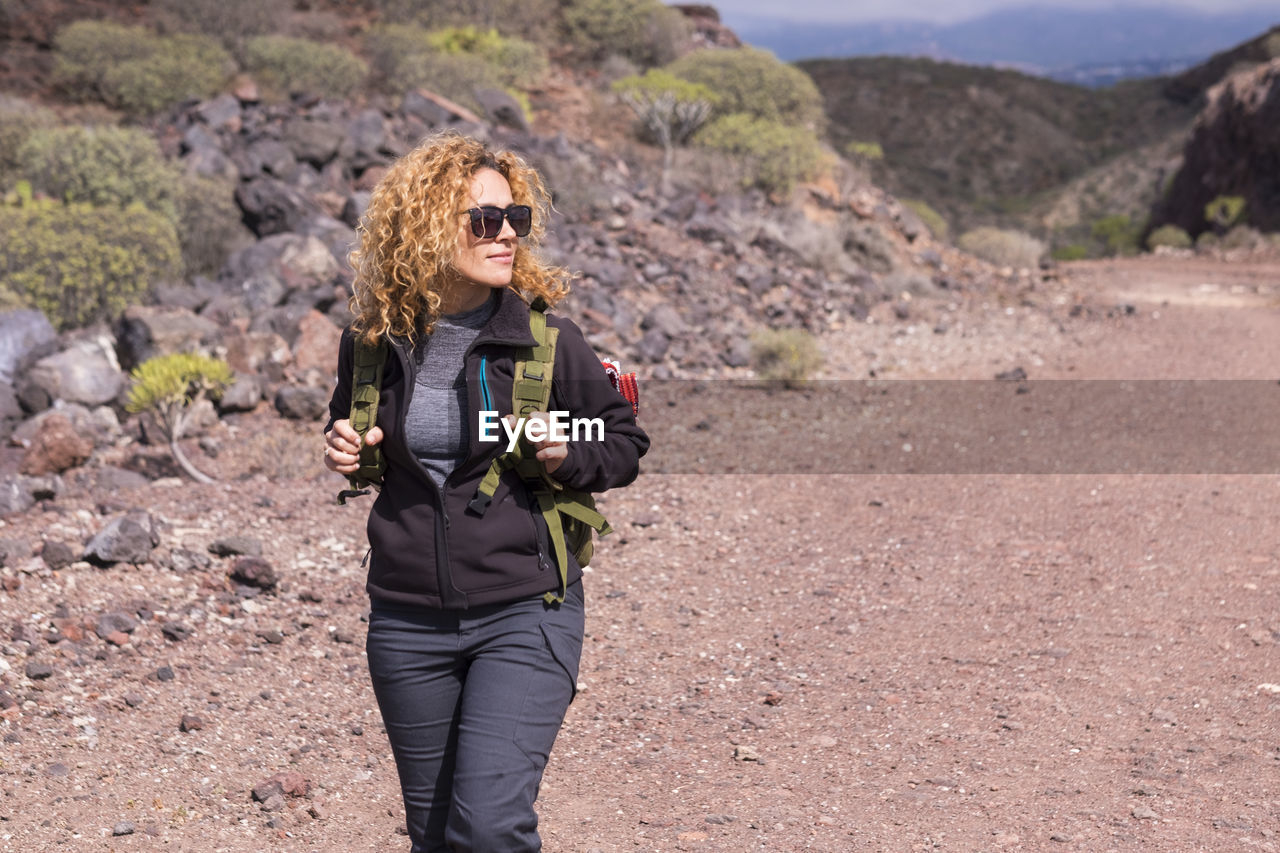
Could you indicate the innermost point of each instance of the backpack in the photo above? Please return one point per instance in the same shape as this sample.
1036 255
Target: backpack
570 515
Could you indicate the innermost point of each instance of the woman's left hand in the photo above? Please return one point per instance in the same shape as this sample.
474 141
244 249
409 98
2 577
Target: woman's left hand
550 453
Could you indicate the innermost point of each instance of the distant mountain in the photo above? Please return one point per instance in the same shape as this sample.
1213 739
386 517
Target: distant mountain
1085 46
985 145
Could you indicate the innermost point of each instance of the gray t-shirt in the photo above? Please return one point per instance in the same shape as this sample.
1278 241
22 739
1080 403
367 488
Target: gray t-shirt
435 428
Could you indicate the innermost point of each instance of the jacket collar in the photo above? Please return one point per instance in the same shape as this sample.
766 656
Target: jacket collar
509 323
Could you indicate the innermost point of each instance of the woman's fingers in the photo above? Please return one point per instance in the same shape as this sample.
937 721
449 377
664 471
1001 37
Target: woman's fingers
342 447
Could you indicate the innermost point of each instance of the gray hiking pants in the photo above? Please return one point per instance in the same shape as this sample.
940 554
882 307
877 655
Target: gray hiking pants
472 701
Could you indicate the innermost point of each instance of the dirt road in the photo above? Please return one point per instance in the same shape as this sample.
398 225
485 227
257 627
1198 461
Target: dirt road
779 663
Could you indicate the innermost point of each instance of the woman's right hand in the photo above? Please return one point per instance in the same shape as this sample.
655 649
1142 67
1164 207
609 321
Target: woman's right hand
342 446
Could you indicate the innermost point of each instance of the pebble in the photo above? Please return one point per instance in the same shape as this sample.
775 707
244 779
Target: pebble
234 546
176 631
164 673
133 700
746 753
190 723
38 671
1145 813
124 827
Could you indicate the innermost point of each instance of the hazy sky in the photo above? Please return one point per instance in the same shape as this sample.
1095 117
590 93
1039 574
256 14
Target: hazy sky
944 11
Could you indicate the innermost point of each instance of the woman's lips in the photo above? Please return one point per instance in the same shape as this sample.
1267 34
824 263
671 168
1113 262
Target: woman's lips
501 258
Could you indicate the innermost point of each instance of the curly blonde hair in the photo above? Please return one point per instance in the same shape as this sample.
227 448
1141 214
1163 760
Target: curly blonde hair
409 233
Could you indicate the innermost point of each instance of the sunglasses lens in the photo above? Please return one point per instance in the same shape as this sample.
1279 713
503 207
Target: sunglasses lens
521 218
492 220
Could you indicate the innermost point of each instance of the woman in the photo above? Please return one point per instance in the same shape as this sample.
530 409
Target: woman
474 638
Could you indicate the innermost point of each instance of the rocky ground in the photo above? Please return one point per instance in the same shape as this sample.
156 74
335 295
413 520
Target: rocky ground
832 663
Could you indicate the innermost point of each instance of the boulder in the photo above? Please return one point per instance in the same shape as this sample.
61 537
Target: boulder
126 539
254 572
21 332
147 331
256 352
243 395
502 109
87 372
316 141
210 163
317 343
355 206
368 139
271 206
19 492
56 447
302 404
271 157
10 410
222 111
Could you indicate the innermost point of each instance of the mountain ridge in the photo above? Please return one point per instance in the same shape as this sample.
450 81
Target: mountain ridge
1050 41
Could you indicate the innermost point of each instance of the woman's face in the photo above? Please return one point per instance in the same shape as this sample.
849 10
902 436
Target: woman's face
483 263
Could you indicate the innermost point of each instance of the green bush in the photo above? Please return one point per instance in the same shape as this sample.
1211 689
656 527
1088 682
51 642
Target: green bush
1003 248
1244 237
1224 212
753 81
230 22
182 67
1117 233
533 20
18 120
644 31
1169 235
290 66
865 150
80 264
1070 252
774 156
85 50
787 355
115 166
389 48
132 69
210 226
518 63
404 58
456 76
932 219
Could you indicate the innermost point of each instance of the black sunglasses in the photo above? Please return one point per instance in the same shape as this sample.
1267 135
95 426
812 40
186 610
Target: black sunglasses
486 221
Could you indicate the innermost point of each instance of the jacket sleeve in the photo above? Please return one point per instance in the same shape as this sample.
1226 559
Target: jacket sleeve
340 402
581 387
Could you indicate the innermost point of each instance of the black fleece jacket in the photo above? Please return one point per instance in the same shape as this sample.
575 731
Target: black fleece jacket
427 548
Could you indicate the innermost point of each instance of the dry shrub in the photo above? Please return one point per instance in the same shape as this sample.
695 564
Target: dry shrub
787 355
281 453
1003 248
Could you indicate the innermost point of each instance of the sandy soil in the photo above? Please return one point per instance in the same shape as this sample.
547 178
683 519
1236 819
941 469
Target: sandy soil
781 663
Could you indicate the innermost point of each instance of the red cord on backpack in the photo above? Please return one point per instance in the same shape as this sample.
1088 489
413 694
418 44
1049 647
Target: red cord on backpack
624 383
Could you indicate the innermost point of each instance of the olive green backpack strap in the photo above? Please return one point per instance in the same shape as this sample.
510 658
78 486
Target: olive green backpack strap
570 515
366 388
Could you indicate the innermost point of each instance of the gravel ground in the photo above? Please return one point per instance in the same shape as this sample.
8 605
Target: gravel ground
782 663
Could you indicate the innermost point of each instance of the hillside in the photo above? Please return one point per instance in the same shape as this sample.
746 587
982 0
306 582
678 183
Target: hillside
981 144
987 146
